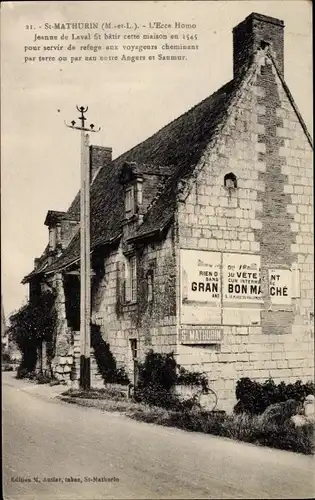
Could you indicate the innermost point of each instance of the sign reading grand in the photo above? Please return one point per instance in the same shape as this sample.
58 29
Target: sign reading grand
201 276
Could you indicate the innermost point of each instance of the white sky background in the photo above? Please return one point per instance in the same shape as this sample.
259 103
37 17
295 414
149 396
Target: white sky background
130 101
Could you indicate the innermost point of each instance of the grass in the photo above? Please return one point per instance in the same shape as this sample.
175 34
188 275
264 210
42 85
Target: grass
251 429
99 394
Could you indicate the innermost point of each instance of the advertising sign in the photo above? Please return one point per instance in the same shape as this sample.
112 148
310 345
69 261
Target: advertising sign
200 287
280 286
226 288
241 278
201 276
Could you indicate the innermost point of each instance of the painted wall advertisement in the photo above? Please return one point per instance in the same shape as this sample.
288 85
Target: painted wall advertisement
201 287
201 276
213 282
241 278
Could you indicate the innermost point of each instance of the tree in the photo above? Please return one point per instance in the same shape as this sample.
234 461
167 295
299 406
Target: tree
32 324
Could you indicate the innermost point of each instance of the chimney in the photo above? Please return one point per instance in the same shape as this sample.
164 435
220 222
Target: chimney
99 157
255 32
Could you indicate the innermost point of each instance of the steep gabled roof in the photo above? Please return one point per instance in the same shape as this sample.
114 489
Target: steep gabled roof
175 150
42 264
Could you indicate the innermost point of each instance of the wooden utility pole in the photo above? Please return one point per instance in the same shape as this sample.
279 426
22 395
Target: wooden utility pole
85 260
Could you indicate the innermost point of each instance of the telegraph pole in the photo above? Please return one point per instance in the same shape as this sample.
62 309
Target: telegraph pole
85 260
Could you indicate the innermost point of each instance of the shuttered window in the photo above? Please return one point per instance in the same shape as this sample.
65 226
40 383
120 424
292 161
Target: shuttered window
131 279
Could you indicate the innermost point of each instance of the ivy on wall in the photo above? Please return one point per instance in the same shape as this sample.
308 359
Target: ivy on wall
105 360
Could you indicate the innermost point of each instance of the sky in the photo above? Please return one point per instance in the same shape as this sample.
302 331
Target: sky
40 157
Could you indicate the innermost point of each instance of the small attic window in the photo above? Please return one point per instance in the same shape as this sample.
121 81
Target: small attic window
130 200
230 181
133 197
52 238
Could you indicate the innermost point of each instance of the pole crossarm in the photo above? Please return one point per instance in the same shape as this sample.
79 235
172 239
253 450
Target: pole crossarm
84 129
85 249
82 118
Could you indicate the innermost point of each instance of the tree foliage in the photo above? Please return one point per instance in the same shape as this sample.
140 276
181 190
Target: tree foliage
30 325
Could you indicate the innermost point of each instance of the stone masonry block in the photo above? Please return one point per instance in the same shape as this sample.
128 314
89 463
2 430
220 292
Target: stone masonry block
236 245
256 224
278 356
245 245
255 246
288 189
244 222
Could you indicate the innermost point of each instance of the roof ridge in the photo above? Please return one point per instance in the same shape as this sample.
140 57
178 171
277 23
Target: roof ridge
172 121
291 99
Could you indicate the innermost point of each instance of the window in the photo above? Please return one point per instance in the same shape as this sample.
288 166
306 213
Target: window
230 181
129 200
150 286
52 238
139 193
133 197
134 348
131 279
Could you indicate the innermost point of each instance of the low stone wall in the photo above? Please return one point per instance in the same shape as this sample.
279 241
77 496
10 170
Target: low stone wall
63 368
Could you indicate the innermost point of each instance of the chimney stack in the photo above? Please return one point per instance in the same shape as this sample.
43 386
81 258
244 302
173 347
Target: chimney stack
99 157
256 32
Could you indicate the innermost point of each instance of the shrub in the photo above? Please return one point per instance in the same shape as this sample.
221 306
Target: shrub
5 357
253 397
279 413
198 379
155 395
22 372
158 370
158 375
286 436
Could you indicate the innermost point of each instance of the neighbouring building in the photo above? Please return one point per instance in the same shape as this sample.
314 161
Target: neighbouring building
202 235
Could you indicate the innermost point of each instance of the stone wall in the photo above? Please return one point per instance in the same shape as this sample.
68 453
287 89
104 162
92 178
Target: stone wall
270 215
153 324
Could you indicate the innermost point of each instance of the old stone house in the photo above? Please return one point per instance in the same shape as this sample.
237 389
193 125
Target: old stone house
202 234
